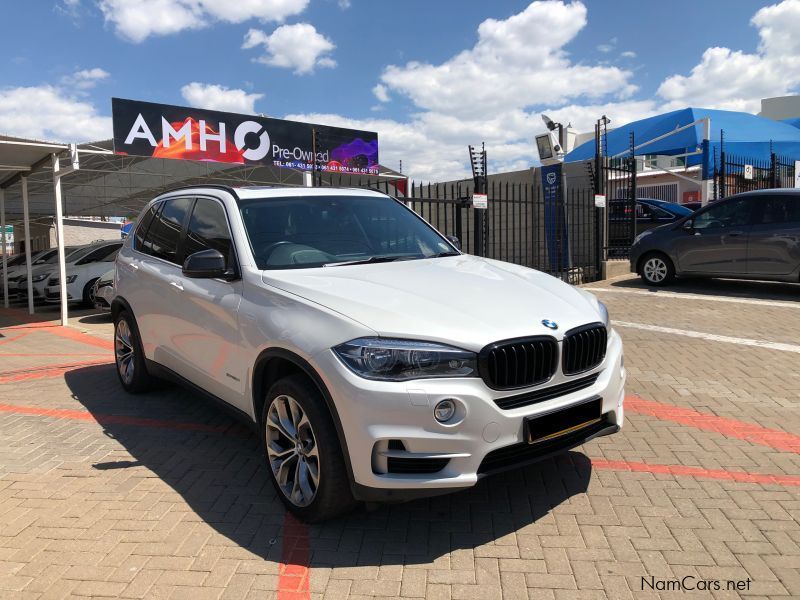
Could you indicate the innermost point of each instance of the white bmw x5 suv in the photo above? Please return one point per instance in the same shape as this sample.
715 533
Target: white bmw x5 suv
377 362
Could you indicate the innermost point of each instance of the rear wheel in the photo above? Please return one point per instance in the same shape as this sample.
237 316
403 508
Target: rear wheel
657 269
303 451
129 356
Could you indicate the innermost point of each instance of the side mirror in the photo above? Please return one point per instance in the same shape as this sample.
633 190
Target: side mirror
454 240
206 264
688 226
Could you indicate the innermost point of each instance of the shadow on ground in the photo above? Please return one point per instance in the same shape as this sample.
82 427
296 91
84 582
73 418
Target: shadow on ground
758 290
223 478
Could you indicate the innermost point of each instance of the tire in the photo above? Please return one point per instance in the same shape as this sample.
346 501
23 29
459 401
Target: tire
657 269
294 405
129 356
88 293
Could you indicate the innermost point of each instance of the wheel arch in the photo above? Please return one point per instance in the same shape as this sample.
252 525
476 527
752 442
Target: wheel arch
275 363
648 253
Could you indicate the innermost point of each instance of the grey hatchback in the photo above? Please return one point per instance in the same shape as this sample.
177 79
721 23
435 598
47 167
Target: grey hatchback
754 235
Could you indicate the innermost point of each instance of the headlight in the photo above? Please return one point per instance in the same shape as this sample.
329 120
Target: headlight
642 235
40 277
401 360
71 278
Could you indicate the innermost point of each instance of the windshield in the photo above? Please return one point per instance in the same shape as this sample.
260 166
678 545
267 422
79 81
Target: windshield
672 207
78 254
312 231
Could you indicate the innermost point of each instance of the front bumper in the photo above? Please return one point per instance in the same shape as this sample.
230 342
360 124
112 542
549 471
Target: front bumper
394 420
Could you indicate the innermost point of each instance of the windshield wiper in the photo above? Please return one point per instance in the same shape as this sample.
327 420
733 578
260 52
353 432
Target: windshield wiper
447 253
372 259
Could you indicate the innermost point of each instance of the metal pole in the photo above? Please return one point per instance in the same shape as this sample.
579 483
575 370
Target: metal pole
5 245
27 223
62 267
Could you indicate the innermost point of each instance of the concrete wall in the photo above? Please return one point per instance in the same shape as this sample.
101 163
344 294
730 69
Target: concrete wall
76 233
783 107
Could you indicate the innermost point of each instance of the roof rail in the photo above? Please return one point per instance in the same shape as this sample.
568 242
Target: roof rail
218 186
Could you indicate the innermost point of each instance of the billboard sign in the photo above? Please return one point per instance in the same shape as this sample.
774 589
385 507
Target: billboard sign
178 132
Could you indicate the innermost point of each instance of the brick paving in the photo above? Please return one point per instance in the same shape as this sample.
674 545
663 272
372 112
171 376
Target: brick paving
164 496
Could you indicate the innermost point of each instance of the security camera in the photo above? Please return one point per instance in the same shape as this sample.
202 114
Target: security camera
549 122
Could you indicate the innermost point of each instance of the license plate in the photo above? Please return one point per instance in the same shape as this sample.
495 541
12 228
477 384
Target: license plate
555 424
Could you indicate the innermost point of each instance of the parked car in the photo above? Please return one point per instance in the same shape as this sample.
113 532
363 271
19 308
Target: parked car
376 361
650 213
83 273
104 291
19 272
41 272
754 235
693 206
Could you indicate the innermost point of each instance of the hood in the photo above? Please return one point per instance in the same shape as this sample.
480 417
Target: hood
464 301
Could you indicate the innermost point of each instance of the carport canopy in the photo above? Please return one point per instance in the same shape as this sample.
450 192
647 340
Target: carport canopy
43 181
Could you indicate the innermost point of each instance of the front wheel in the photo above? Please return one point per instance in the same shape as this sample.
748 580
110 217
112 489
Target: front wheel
657 269
129 356
88 293
303 451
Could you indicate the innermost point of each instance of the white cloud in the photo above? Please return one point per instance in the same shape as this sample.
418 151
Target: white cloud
300 47
85 79
345 4
381 93
516 63
49 113
218 97
628 54
136 20
736 80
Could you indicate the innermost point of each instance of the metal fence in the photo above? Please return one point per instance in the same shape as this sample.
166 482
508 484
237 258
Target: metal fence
734 174
513 227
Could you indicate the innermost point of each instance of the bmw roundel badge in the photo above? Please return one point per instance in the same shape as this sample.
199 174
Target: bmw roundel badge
549 324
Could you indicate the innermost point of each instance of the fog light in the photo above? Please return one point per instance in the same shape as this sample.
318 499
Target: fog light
444 411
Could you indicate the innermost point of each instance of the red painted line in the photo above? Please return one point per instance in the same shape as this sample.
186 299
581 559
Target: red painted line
680 470
46 371
774 438
50 355
293 581
82 415
15 338
84 338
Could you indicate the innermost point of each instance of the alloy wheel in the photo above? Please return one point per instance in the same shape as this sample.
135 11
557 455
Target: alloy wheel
124 352
292 450
655 270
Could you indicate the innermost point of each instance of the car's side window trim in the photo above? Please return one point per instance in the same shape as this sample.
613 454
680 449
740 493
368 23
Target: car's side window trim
182 233
236 264
158 207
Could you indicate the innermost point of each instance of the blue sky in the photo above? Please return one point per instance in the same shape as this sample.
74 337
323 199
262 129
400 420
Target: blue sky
441 81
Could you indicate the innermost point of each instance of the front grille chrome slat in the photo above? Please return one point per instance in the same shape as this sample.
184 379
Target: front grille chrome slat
584 348
517 363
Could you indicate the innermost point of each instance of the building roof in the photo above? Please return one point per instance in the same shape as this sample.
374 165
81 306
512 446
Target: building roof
745 135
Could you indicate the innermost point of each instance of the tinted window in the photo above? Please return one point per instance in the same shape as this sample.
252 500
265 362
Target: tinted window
101 254
208 229
144 223
164 232
779 209
735 213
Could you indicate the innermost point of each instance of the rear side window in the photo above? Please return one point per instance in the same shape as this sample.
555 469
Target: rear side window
101 254
144 223
208 229
776 210
164 234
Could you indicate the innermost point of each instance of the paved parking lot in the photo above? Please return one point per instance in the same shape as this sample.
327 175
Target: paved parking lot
164 496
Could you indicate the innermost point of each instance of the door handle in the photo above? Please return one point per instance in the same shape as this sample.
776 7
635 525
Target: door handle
734 234
176 285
